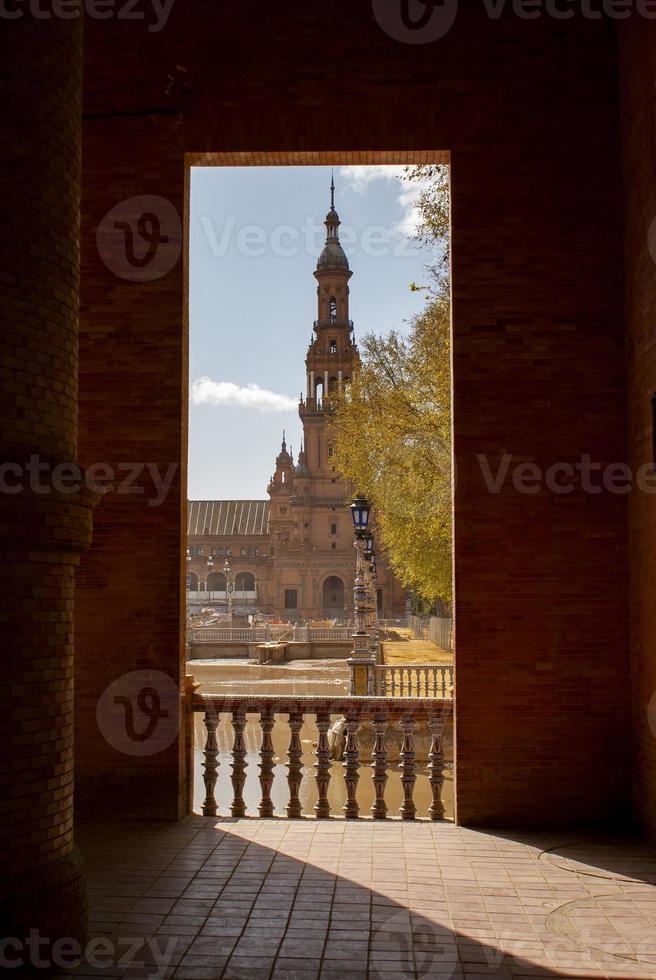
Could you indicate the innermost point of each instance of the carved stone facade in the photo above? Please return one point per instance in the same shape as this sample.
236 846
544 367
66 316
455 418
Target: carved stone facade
292 555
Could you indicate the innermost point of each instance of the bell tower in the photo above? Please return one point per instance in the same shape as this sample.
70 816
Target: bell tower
332 352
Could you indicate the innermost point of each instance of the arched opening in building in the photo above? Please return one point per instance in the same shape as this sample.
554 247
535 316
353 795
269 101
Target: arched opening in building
245 582
216 582
318 390
333 308
333 597
192 582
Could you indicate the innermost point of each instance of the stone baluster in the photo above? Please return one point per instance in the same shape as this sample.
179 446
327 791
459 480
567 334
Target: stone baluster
379 767
351 765
322 766
211 764
267 755
295 765
436 767
238 808
407 758
401 684
383 683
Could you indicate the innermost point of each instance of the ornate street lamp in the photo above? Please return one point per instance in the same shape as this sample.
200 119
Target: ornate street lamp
227 571
361 662
360 515
210 566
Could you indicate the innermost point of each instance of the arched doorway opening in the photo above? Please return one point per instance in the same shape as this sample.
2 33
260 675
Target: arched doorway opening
245 582
216 582
333 597
192 582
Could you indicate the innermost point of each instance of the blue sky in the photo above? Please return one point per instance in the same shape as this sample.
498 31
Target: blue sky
255 234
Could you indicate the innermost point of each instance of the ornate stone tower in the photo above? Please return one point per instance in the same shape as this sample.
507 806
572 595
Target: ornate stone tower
332 353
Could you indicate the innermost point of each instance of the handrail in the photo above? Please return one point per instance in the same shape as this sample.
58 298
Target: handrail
200 635
427 680
381 711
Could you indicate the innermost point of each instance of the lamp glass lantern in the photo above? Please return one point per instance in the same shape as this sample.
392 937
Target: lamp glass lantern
360 515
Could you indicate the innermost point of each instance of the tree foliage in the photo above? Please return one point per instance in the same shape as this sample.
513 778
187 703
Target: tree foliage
392 430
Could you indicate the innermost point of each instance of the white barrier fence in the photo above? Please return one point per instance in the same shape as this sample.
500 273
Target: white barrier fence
434 629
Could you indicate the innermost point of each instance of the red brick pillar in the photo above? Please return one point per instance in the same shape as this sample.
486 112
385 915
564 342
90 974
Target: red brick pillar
42 531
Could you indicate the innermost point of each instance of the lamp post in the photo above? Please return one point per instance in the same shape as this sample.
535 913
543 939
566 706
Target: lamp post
227 571
375 637
210 566
361 661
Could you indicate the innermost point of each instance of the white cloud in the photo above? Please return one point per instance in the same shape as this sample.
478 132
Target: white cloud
358 179
204 391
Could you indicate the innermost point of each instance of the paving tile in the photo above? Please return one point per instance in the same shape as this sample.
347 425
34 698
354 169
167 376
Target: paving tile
302 900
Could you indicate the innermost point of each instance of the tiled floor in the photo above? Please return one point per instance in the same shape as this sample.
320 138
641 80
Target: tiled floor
302 900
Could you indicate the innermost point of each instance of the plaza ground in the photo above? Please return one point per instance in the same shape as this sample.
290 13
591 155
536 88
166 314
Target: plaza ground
333 900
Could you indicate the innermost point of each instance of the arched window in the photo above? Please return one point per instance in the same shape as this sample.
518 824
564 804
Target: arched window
333 529
245 582
332 306
192 582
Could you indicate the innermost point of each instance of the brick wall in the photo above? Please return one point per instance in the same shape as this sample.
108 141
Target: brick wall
133 390
529 110
639 146
41 531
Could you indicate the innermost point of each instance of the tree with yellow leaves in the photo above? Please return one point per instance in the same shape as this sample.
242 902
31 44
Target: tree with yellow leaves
392 429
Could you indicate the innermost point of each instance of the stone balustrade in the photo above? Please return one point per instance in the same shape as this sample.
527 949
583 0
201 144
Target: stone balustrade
415 680
325 634
356 710
213 635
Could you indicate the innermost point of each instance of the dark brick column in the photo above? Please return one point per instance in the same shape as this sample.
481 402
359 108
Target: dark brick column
41 531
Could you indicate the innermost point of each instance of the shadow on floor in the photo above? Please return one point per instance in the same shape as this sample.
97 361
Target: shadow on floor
338 900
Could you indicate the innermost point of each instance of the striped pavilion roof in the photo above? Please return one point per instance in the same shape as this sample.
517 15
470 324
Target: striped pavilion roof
225 517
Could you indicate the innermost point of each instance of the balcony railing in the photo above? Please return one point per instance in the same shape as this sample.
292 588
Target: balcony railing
328 634
415 680
379 711
210 635
195 595
204 635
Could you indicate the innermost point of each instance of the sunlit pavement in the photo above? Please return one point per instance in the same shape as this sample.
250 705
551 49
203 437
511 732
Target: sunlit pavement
313 899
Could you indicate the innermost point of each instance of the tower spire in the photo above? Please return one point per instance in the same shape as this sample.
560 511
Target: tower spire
332 190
